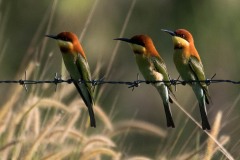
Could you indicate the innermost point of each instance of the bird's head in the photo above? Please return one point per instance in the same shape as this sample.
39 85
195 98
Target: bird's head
140 44
67 41
181 38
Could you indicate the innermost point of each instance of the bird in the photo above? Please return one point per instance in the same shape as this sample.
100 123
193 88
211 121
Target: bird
153 68
77 65
190 68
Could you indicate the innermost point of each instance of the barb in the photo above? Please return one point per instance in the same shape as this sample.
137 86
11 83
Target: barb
131 84
22 83
135 83
56 79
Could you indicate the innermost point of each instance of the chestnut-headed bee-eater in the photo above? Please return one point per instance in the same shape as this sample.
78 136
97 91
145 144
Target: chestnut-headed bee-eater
153 68
77 65
190 68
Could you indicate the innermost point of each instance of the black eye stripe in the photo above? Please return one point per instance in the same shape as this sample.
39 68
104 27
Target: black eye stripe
65 39
140 43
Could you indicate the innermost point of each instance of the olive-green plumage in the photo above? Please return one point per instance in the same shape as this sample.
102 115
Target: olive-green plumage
78 68
153 68
190 68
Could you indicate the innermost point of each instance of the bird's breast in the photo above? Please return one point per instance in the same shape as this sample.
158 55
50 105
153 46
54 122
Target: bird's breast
181 62
147 68
69 61
180 57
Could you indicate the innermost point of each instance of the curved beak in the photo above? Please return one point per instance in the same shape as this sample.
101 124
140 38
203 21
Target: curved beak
124 39
52 36
172 33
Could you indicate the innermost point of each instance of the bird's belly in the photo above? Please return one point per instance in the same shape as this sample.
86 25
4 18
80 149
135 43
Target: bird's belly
71 66
147 69
150 75
183 67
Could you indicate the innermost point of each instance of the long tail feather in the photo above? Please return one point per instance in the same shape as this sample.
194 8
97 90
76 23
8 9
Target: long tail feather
92 117
168 114
200 94
207 96
89 103
166 98
203 112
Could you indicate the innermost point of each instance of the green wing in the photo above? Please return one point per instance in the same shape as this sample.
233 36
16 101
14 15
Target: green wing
198 71
85 73
160 67
197 68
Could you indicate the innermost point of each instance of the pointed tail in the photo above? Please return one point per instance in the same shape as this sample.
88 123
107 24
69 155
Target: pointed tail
87 98
203 112
164 93
92 117
168 114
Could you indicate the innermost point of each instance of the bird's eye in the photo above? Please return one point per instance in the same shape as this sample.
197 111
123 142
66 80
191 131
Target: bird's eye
141 44
64 38
182 35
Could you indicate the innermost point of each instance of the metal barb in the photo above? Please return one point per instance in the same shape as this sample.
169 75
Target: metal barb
208 81
22 82
57 80
94 84
174 83
213 76
135 83
131 84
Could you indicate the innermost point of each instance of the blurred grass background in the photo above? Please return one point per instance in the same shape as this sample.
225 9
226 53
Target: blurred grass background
214 25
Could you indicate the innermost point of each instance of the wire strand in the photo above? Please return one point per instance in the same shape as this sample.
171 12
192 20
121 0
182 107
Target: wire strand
131 84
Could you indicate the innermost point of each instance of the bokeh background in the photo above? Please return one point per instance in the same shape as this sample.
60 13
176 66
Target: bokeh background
215 26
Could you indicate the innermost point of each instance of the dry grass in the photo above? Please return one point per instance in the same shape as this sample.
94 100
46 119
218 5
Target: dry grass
31 135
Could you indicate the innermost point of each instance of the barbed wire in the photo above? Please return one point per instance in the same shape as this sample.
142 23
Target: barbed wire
131 84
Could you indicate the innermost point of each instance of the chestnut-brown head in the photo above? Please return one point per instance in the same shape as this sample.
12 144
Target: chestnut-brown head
68 42
181 38
141 44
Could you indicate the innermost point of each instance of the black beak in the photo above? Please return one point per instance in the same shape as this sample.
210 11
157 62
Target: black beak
169 32
52 36
124 39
